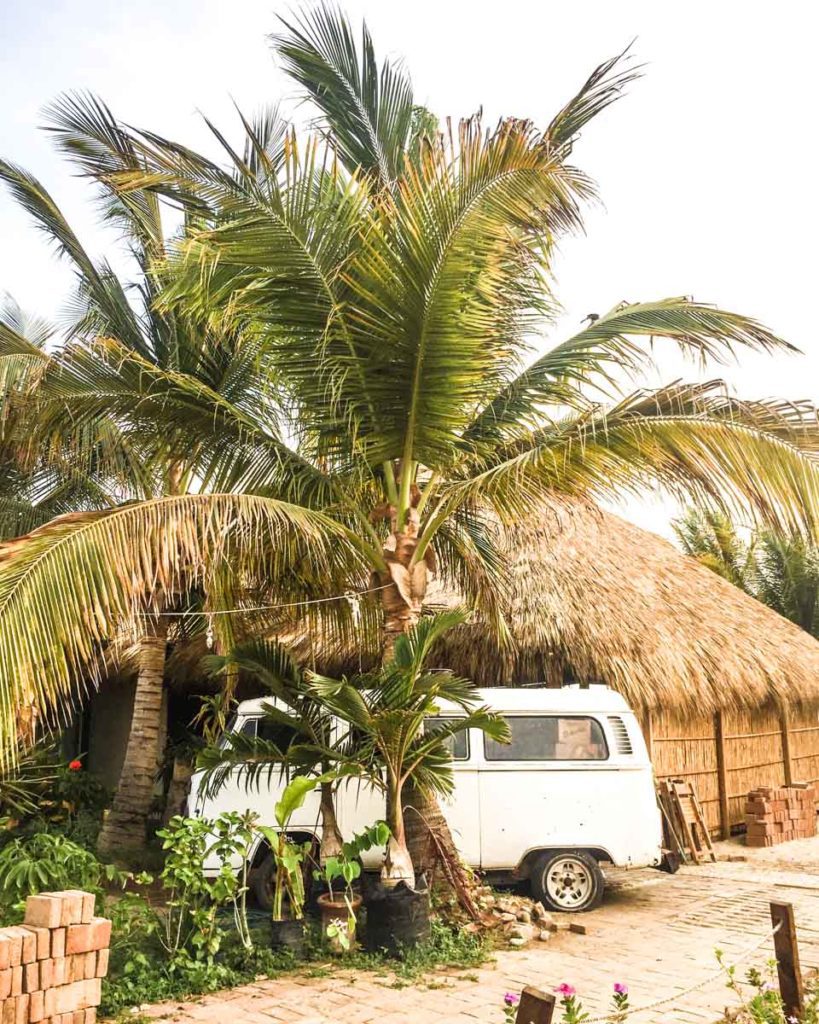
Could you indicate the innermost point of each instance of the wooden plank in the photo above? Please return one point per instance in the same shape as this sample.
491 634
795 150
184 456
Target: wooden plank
535 1007
787 960
784 720
722 777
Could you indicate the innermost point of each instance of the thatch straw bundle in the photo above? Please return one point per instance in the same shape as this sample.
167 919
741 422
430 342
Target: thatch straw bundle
599 599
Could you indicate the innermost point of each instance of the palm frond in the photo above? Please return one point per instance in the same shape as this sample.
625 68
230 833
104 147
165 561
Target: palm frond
366 110
603 87
66 589
606 351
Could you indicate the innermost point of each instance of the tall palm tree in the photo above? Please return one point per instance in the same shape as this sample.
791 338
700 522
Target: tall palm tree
779 569
120 319
385 291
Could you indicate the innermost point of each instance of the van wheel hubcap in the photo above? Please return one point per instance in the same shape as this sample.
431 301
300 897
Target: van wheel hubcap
569 883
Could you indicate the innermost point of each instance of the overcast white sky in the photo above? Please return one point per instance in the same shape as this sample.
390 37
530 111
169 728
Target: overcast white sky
707 169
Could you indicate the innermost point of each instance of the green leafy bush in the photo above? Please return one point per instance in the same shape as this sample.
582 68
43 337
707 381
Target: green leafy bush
48 861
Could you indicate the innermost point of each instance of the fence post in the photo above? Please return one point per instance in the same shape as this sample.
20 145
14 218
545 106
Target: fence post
535 1007
722 778
787 960
648 734
787 760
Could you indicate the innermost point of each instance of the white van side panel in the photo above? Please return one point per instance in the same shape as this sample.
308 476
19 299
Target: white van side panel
525 809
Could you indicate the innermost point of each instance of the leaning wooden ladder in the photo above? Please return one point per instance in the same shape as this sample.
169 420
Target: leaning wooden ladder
686 822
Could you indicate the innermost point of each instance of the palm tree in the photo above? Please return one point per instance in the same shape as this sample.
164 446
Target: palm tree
120 320
779 569
712 538
388 711
384 289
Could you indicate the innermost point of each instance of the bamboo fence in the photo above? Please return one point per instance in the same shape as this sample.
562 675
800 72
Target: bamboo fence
732 752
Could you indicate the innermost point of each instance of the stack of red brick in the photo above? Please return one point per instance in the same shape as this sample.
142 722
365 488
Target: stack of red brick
776 814
51 965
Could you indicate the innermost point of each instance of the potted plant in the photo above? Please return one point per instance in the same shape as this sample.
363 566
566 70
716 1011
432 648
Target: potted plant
387 711
339 905
288 857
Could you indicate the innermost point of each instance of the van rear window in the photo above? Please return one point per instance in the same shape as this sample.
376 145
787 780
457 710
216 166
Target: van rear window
549 738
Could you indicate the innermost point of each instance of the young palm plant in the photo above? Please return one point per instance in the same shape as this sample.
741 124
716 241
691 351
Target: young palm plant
386 290
305 740
387 711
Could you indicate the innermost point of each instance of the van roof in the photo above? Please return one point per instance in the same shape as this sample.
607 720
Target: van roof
597 698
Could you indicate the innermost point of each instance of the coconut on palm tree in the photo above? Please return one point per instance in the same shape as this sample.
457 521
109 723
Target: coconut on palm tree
389 289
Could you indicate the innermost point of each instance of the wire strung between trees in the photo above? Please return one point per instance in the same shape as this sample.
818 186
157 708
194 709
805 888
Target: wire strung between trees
348 595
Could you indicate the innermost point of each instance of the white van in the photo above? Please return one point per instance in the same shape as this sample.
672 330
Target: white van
574 788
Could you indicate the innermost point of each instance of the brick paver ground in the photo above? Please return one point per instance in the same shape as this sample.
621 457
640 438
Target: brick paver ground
654 931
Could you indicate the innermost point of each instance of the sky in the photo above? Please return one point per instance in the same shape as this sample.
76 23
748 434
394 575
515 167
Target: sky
707 169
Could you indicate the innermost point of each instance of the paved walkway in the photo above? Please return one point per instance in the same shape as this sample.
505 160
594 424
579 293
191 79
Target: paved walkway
655 932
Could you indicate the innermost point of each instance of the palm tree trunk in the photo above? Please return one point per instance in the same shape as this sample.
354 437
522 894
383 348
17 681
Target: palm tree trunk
124 825
331 840
428 836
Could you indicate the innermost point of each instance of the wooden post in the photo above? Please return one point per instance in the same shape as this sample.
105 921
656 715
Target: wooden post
787 960
787 760
648 734
722 778
535 1007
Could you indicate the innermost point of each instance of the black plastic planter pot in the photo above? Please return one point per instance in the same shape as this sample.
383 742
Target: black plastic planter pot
287 935
397 919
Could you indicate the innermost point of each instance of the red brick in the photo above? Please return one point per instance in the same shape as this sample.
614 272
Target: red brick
15 945
9 1011
43 911
5 983
36 1007
78 1017
31 977
58 942
43 939
17 980
5 951
88 904
46 973
83 938
60 976
50 1001
91 966
102 963
91 1015
21 1016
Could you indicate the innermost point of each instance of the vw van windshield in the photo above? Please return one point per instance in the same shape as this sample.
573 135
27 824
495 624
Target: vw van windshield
549 738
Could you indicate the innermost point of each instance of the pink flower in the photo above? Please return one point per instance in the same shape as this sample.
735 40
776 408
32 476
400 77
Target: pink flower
620 988
565 990
511 999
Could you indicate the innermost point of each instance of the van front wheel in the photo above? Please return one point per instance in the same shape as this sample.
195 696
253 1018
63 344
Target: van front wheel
567 881
264 882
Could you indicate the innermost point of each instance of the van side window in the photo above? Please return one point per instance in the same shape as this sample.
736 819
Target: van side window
549 738
269 730
457 745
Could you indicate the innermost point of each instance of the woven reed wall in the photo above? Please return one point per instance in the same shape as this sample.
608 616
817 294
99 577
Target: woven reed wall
754 746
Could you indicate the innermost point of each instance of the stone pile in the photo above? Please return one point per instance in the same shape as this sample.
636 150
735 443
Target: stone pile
521 919
51 966
777 814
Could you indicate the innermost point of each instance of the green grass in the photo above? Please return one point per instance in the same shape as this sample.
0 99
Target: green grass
143 977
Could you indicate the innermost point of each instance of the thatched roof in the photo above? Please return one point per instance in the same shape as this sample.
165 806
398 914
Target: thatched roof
599 599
